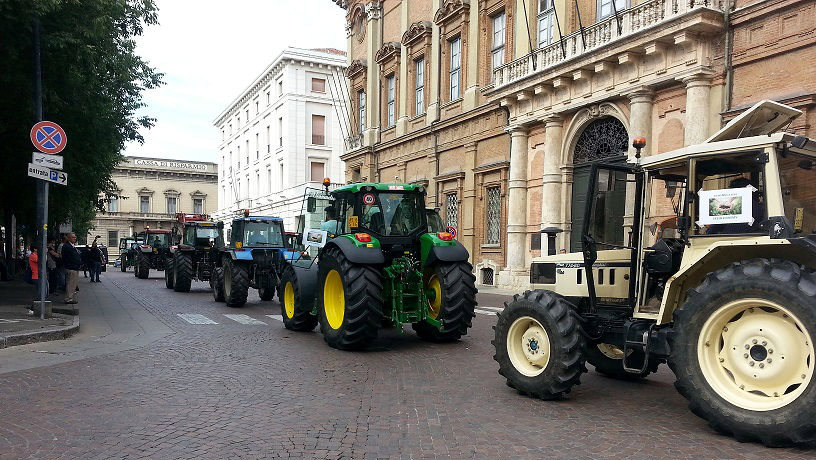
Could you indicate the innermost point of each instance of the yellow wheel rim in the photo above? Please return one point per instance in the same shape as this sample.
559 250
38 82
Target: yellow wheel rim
756 354
289 299
528 346
334 299
435 305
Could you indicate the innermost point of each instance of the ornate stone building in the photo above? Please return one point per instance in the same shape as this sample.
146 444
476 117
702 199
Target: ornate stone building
568 88
150 192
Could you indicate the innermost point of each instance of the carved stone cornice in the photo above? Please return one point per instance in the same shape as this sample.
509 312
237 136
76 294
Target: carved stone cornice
357 67
451 9
388 51
416 32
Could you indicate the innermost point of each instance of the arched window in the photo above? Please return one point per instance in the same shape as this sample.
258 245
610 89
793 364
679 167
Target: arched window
603 138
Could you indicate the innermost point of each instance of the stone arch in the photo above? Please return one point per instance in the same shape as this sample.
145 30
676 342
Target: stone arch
671 136
582 119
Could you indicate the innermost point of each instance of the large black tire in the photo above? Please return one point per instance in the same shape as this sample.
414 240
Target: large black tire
560 365
296 306
236 284
458 301
169 275
775 301
182 268
613 367
217 283
142 268
123 264
359 290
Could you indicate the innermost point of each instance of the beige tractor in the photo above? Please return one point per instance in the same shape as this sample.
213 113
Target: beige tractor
703 258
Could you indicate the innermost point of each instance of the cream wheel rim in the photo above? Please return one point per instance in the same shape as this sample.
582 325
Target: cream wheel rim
756 354
528 346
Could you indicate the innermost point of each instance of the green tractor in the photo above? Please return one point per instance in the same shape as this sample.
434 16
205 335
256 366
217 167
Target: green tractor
370 261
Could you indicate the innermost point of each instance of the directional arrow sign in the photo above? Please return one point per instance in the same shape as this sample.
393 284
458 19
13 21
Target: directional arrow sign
49 161
51 175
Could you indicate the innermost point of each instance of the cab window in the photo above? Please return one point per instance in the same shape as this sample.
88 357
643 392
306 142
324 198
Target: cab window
797 177
730 195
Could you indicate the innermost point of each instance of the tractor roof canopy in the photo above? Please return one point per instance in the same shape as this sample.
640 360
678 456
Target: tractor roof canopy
356 188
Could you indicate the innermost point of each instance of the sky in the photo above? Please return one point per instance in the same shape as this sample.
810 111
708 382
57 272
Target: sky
212 50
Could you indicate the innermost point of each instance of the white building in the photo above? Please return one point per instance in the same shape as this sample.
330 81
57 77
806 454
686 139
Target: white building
281 135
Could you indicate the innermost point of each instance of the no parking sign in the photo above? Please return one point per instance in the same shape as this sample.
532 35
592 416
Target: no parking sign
48 137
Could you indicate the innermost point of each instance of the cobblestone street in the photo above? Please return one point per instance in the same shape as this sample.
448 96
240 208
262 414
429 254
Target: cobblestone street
229 383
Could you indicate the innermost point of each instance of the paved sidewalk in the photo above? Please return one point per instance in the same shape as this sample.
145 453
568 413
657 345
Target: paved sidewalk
112 321
17 324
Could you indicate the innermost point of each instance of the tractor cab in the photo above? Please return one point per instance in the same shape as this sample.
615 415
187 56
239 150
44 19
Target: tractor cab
155 239
197 230
257 232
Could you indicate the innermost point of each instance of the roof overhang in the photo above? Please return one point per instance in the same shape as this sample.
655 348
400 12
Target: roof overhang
764 117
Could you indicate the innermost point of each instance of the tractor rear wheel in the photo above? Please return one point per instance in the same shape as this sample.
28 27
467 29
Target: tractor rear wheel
236 284
296 307
608 360
142 267
169 279
351 303
539 345
453 304
182 267
217 283
743 353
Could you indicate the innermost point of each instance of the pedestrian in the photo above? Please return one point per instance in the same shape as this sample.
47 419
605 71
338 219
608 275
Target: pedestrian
51 266
72 262
61 266
34 266
95 261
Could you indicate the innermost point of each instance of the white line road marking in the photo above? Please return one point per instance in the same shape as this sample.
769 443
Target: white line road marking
276 317
244 319
499 309
485 312
195 318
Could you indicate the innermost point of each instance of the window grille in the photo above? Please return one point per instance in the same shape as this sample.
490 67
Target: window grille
493 230
452 210
487 276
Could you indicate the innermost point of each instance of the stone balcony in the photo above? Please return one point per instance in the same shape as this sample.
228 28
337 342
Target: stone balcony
658 22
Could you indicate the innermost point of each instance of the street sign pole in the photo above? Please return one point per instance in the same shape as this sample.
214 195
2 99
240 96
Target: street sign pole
42 186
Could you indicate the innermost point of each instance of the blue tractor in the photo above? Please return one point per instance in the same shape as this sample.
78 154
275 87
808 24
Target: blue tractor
253 258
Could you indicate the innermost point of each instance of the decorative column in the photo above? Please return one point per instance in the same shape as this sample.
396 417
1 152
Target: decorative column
374 41
698 90
517 202
551 188
641 104
468 205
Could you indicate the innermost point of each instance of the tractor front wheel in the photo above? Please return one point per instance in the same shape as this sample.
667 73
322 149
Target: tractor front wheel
217 283
236 284
539 345
182 268
266 293
123 265
453 302
296 307
351 303
169 279
742 351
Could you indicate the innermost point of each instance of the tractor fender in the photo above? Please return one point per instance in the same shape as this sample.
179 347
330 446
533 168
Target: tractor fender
146 250
306 277
355 254
454 253
241 255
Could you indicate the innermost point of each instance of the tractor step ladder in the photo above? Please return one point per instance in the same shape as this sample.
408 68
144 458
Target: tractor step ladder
642 345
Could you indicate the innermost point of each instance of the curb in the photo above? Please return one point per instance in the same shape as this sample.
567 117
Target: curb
57 333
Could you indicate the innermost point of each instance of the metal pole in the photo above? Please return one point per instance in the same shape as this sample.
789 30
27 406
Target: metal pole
42 186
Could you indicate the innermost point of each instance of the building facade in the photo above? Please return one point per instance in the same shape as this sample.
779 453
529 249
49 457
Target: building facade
150 191
553 86
281 135
417 78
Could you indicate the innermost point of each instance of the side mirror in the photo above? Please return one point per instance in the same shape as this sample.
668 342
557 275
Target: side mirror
311 204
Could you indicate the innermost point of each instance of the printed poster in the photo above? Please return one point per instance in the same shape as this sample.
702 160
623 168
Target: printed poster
726 206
